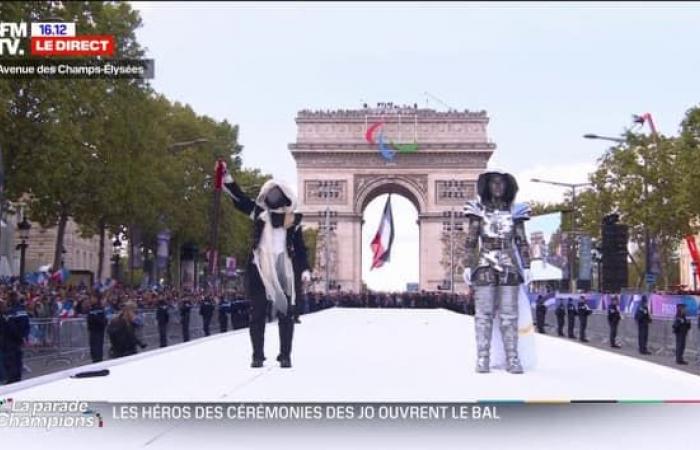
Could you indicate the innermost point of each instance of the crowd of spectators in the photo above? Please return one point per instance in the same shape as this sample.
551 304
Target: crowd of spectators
42 307
46 302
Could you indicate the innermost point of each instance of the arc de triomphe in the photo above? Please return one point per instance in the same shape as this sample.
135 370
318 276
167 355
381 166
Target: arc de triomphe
340 170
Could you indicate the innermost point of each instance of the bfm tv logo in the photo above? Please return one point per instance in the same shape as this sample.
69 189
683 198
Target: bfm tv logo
52 39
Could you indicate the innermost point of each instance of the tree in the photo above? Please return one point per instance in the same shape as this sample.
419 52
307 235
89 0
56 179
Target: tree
311 240
54 126
639 179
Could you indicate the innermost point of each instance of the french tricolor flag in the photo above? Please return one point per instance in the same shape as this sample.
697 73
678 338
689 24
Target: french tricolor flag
381 244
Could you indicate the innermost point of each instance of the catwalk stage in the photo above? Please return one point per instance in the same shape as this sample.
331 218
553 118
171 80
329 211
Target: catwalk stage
366 355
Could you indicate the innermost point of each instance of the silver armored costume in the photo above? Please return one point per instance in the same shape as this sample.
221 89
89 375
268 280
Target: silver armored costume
497 257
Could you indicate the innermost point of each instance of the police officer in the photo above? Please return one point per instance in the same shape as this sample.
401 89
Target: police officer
16 332
163 317
681 326
560 312
224 312
206 310
540 313
643 319
239 312
185 310
614 318
571 317
583 311
96 323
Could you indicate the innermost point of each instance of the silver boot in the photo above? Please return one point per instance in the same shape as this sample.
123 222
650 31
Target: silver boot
483 319
483 364
509 327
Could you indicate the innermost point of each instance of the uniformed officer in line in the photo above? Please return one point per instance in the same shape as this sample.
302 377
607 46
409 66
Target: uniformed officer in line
163 317
239 312
96 324
540 314
560 312
16 333
583 311
206 310
185 310
224 313
681 326
571 317
643 319
614 318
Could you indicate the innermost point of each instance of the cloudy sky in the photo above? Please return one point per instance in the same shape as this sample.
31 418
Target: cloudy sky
546 74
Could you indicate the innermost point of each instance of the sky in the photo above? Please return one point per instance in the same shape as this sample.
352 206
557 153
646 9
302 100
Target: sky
546 73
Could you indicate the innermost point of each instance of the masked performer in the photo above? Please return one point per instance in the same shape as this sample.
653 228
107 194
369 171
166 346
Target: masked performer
498 262
277 264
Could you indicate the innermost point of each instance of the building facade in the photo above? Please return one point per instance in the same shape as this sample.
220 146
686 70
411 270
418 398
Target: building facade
81 254
688 278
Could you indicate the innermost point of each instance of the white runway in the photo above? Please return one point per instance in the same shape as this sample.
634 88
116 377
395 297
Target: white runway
365 355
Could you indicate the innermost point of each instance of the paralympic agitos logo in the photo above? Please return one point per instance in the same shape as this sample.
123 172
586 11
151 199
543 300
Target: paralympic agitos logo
387 151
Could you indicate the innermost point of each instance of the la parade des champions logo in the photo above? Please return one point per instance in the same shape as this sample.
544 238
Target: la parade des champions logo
48 414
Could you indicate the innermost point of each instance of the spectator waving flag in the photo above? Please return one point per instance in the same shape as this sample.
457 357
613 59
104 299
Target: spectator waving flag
384 238
60 276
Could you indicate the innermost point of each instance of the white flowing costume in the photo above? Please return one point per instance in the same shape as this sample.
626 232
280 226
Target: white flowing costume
270 257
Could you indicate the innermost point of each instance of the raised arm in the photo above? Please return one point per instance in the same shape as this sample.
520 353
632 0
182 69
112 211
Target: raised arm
241 201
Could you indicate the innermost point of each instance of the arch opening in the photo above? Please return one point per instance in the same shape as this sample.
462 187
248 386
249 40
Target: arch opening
403 268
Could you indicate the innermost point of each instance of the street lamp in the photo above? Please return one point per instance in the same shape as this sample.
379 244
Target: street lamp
573 187
24 226
117 244
173 149
184 144
604 138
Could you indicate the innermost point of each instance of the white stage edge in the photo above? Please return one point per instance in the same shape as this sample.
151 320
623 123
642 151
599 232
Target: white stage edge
364 355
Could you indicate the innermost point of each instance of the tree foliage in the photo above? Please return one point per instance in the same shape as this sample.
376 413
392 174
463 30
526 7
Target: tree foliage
652 182
114 155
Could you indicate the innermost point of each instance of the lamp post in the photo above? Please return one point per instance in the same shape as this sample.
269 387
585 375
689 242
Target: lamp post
116 245
604 138
173 148
573 187
24 226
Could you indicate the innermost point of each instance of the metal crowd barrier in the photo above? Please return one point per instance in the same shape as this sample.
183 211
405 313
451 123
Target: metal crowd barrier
56 342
